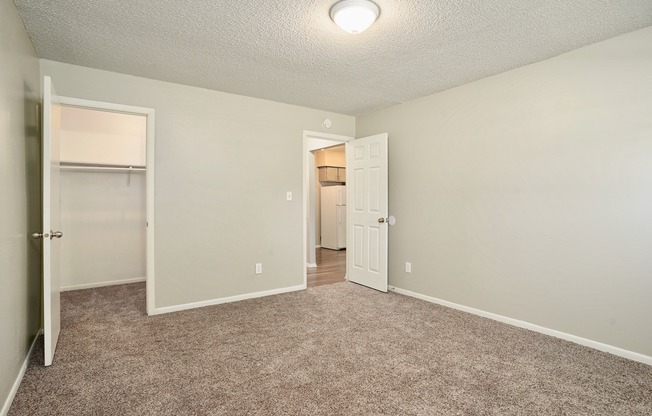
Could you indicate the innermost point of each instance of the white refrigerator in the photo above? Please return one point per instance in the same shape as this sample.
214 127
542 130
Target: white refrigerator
333 217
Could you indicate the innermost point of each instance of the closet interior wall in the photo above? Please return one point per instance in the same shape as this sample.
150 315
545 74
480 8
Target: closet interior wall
102 207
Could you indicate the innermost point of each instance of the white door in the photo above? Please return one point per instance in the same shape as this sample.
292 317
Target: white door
367 202
341 226
51 219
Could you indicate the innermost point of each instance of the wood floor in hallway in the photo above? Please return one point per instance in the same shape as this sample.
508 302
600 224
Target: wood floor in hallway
331 267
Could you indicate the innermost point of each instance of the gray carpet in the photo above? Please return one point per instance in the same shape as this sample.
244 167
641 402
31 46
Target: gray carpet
333 350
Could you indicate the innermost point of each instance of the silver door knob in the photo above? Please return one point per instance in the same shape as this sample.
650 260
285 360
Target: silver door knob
389 220
40 235
56 234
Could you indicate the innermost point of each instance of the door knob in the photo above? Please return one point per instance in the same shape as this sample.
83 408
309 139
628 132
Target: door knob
56 234
389 220
40 235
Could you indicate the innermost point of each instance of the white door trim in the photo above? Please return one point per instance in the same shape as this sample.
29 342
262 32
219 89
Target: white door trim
149 113
308 136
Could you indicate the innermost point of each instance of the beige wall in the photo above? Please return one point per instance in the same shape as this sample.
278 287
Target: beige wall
19 204
331 157
317 208
223 166
529 194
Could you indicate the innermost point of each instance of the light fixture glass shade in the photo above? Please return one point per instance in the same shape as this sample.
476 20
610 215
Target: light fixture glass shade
354 16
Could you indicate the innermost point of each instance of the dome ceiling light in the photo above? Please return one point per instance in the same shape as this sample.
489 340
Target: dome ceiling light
354 16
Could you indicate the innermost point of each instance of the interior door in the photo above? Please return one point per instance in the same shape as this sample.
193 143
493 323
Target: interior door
367 199
51 232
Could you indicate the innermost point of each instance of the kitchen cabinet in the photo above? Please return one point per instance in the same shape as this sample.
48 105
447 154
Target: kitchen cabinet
332 174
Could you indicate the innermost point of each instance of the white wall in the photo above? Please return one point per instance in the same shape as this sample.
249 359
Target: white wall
20 265
529 194
223 166
102 137
103 212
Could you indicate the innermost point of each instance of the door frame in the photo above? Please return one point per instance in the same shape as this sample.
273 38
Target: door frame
311 138
149 114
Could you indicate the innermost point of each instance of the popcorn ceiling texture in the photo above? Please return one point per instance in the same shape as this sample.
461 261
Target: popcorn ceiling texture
290 51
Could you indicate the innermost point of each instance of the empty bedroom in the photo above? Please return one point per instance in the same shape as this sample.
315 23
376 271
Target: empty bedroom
324 207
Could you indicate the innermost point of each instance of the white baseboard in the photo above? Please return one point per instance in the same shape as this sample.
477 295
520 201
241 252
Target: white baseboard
19 377
318 246
102 284
312 265
183 307
532 327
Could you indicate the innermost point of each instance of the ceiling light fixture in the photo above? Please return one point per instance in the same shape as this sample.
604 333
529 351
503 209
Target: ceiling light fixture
354 16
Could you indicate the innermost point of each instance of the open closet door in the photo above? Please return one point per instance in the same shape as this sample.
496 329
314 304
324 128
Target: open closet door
51 231
367 198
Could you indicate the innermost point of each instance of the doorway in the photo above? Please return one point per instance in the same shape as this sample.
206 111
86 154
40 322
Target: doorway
324 167
102 197
107 194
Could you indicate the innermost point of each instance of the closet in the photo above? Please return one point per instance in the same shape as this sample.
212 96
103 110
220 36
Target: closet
102 191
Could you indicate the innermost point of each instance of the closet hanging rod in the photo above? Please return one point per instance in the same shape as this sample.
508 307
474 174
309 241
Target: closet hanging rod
101 167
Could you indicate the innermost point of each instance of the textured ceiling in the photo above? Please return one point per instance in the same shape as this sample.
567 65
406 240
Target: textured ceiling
290 51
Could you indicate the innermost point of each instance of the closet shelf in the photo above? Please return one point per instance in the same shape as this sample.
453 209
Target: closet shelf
92 167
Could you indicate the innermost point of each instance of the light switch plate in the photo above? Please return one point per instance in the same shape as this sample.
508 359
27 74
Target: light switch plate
288 196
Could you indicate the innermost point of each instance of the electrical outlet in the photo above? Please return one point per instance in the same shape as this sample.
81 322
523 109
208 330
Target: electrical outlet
259 268
408 267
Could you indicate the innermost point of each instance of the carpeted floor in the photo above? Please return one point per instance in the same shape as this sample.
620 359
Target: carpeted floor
333 350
